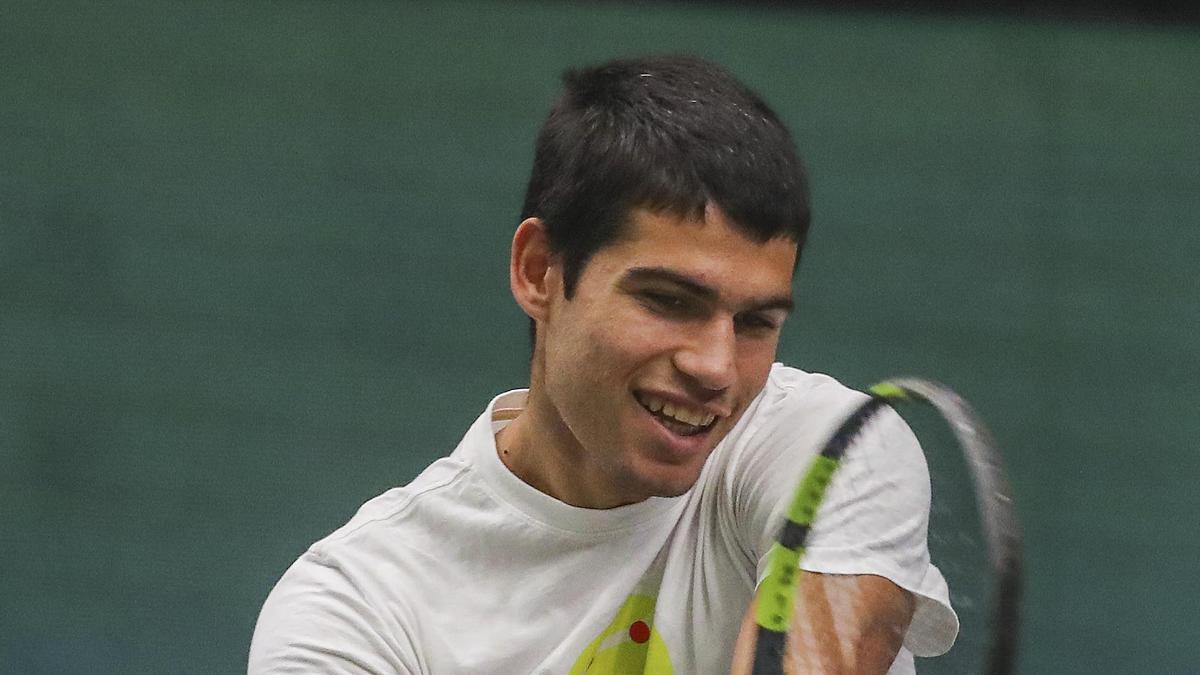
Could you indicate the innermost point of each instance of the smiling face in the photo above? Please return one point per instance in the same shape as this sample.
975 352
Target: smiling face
670 334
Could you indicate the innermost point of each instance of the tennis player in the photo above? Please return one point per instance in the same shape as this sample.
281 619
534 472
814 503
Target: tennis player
615 516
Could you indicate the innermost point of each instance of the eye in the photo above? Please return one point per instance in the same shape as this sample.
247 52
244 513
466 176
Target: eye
665 303
754 322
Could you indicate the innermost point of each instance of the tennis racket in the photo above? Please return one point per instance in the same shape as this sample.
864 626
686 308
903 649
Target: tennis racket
991 494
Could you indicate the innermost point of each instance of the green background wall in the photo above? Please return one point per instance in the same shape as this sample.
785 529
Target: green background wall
253 258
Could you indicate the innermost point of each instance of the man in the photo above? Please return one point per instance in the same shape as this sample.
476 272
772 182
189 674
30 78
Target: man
615 516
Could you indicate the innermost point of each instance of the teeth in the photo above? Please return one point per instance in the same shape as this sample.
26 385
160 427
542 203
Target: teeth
696 418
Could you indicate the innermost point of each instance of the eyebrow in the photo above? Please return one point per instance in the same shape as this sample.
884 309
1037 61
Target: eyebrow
701 290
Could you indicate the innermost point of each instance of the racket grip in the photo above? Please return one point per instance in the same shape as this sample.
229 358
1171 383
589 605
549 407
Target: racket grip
768 652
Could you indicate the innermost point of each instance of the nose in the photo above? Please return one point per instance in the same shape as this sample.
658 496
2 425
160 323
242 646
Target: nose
708 357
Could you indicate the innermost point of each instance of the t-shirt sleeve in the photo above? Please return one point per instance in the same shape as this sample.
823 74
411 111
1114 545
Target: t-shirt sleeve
316 620
875 515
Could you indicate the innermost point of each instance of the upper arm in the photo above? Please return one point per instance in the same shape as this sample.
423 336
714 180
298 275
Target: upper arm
317 620
870 528
841 624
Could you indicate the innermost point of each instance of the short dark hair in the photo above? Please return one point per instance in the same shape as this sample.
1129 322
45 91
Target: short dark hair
666 133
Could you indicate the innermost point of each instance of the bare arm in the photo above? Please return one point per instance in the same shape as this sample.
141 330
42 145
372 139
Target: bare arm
843 624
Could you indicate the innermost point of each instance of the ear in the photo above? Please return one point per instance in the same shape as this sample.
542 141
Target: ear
533 272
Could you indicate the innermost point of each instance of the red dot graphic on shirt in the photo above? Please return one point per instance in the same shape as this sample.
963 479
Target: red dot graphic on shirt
639 632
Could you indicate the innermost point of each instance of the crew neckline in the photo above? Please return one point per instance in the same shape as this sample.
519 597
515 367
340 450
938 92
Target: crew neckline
539 506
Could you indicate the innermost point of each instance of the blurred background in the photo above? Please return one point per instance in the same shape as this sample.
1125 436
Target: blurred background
253 272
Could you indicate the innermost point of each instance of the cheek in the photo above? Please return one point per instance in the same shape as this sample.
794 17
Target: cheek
754 363
622 339
605 343
587 359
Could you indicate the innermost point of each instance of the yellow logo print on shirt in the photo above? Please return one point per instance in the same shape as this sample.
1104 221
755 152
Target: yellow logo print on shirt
628 646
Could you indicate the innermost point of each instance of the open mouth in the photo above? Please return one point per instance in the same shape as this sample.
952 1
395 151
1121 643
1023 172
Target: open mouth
679 419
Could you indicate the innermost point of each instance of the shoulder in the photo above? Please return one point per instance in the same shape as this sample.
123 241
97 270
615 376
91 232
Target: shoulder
793 398
802 387
385 533
757 464
809 406
805 405
787 425
340 602
438 482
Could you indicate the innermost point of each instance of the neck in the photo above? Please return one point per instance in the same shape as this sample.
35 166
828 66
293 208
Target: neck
540 450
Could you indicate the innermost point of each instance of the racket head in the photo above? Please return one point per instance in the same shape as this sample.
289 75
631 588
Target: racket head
998 525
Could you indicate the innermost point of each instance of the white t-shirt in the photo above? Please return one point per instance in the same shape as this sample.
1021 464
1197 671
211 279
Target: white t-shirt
470 570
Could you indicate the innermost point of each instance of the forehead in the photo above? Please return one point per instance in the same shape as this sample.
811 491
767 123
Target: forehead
710 250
